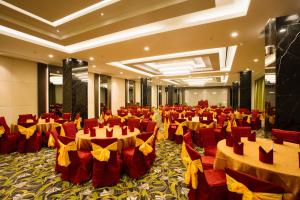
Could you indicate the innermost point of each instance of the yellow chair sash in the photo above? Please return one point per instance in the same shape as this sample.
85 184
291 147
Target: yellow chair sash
51 141
228 128
237 187
191 175
153 118
166 128
78 123
249 119
184 155
234 123
2 131
63 157
144 147
106 117
103 154
123 118
179 130
28 132
140 118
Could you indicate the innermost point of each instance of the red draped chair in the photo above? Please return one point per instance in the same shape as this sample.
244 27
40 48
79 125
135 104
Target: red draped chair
90 123
106 173
48 116
220 130
243 131
135 163
205 137
211 183
114 121
24 117
288 136
70 129
8 140
66 116
150 126
207 161
252 183
31 144
133 122
172 130
79 170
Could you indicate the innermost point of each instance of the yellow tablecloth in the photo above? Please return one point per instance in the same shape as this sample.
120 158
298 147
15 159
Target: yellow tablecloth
195 124
83 141
285 171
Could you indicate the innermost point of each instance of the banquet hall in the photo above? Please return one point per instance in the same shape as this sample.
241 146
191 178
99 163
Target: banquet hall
150 99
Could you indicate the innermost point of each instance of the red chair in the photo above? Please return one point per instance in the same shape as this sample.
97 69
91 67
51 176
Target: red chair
288 136
135 163
48 116
90 123
106 173
66 116
28 143
79 170
150 126
211 183
252 183
70 129
114 121
133 122
25 117
205 137
8 140
244 131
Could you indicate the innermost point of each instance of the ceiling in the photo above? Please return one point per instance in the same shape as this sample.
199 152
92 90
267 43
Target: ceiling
115 33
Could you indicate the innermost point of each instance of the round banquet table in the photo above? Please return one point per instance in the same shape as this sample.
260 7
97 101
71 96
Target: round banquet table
284 171
83 141
195 124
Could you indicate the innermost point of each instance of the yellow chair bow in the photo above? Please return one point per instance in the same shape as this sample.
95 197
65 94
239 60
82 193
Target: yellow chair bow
228 128
106 117
234 123
63 157
184 155
144 147
237 187
2 131
28 132
191 175
179 130
140 118
123 118
249 119
78 123
103 154
166 128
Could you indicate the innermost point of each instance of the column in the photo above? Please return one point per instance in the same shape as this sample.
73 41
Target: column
170 94
234 95
245 89
75 87
42 80
146 90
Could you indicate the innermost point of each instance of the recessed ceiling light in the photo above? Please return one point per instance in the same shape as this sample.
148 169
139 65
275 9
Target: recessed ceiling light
247 69
234 34
57 31
91 58
94 66
121 72
102 14
255 60
226 73
146 48
50 56
282 30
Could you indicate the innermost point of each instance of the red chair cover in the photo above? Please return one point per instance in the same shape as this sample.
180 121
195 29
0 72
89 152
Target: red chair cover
90 123
252 183
289 136
106 173
80 169
66 116
150 126
114 122
135 163
205 137
48 116
8 141
134 122
187 138
242 131
33 144
70 129
211 183
24 117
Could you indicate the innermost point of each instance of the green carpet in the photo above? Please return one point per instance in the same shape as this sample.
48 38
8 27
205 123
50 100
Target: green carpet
32 176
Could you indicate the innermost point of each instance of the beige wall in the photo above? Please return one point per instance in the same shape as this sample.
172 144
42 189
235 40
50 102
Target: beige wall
215 96
154 96
91 96
138 91
18 86
117 94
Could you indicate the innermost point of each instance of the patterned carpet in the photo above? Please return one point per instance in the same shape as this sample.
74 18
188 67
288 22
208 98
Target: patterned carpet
32 176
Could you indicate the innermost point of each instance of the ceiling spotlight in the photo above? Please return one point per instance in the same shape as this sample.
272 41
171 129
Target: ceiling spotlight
94 66
102 14
247 69
255 60
91 58
57 31
146 48
226 73
234 34
282 30
121 72
50 56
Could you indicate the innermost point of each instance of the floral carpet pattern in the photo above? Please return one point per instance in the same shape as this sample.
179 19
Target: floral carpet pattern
32 176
